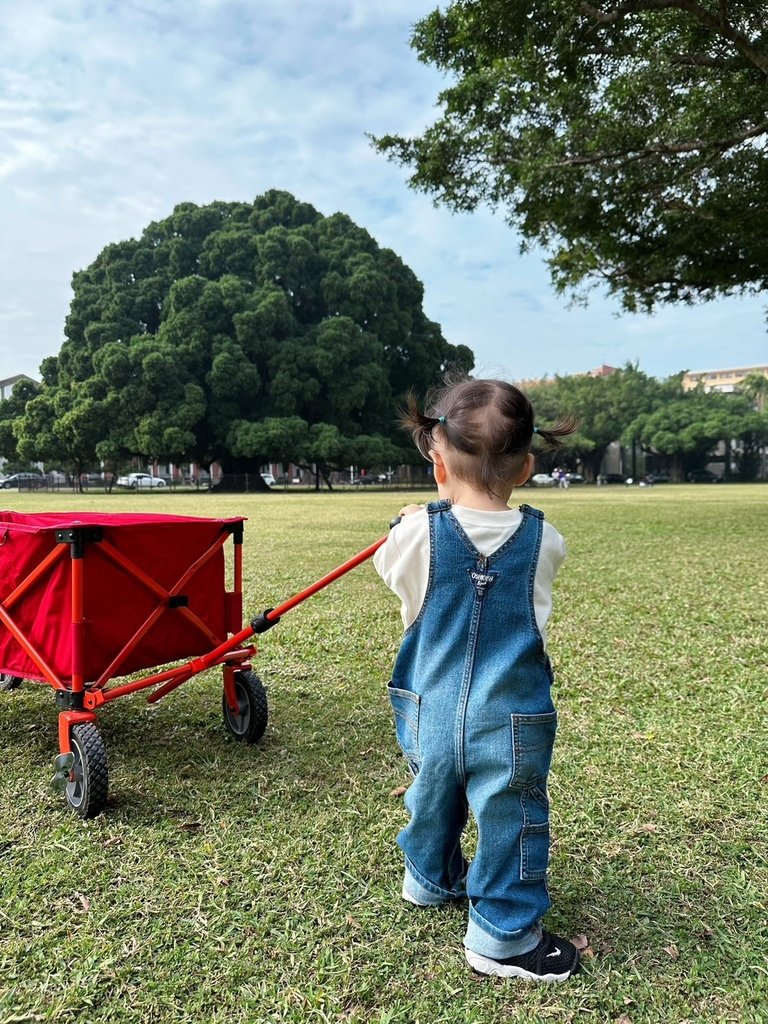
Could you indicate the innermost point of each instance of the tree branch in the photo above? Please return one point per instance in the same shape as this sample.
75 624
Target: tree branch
717 23
630 156
697 60
701 60
631 7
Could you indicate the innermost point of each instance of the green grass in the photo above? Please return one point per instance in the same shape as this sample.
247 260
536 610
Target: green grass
234 884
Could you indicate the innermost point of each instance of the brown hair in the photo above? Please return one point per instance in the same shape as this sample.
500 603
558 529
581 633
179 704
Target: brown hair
486 424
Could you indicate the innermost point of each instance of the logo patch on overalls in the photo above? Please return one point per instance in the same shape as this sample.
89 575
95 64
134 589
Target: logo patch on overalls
482 581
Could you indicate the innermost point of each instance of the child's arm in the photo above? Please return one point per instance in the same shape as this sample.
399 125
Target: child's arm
402 561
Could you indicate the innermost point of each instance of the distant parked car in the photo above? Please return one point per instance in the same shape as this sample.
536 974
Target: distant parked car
268 479
703 476
574 478
542 480
656 478
24 481
613 478
140 481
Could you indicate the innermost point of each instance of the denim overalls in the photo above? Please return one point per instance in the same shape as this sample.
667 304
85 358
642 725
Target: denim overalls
474 716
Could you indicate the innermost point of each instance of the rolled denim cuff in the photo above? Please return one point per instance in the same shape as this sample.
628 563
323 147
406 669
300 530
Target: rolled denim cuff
478 941
428 897
416 893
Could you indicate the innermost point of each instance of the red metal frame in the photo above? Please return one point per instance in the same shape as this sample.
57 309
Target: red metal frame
274 613
66 720
14 597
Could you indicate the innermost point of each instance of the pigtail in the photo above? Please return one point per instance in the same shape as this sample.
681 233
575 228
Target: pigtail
563 427
419 424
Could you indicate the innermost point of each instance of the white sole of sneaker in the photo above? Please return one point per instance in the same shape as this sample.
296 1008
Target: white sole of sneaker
484 965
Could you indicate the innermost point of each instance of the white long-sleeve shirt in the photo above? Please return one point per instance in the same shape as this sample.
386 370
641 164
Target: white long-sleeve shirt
403 561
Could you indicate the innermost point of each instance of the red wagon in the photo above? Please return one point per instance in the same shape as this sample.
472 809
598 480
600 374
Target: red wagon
86 598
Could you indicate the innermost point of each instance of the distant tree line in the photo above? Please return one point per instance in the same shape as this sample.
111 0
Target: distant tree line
680 429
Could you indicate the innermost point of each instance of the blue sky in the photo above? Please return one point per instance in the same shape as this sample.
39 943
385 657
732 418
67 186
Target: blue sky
112 113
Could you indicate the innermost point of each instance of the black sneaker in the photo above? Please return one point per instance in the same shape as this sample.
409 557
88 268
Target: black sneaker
554 959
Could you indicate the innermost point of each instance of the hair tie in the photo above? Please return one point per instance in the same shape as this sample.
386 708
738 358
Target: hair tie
536 430
441 420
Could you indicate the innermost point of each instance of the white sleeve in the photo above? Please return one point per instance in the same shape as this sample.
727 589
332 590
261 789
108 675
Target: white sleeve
551 557
402 561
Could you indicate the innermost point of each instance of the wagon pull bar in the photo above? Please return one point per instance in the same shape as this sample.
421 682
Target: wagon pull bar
265 621
271 616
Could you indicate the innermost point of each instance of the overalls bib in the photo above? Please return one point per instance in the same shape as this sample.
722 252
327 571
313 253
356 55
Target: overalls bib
474 717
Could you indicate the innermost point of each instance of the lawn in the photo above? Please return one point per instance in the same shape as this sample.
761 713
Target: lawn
228 883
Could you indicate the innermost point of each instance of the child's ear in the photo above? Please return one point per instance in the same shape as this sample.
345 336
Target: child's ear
525 471
439 466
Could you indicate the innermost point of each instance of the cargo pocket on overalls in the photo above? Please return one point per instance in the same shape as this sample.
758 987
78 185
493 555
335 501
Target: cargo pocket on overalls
406 708
533 739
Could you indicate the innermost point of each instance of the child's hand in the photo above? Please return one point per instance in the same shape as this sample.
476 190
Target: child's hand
406 510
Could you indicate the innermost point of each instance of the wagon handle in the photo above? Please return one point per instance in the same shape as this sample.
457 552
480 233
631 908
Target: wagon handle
271 616
262 623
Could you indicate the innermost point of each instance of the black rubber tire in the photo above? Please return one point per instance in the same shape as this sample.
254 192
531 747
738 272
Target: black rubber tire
86 792
247 725
9 682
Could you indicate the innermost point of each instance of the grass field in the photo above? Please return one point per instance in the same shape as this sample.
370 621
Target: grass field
258 884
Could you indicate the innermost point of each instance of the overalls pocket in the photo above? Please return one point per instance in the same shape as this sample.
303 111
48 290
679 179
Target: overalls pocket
533 739
406 708
534 841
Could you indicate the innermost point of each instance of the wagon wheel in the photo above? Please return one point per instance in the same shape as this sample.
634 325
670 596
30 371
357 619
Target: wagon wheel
9 682
86 790
248 723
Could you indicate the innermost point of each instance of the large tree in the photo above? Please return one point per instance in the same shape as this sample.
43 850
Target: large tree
223 327
626 137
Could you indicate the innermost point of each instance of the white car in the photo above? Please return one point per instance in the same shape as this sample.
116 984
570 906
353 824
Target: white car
542 480
136 481
268 479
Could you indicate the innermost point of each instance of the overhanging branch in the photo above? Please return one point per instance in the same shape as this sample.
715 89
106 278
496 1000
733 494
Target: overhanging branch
648 152
716 23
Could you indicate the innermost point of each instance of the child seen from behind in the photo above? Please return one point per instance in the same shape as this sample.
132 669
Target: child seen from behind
471 683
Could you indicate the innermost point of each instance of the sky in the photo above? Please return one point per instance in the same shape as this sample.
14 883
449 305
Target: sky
113 113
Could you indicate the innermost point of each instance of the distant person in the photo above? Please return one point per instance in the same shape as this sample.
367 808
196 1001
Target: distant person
471 684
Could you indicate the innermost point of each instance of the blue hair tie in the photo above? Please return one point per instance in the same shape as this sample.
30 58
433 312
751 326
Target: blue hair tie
536 430
441 419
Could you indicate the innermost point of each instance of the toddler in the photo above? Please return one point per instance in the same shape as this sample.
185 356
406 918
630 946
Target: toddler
471 683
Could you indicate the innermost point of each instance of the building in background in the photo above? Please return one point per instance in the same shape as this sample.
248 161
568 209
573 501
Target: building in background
7 385
726 381
601 371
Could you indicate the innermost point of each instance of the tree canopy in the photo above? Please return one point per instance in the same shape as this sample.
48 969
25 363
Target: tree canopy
240 333
626 137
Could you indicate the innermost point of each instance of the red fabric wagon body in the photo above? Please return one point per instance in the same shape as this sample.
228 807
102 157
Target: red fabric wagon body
89 596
